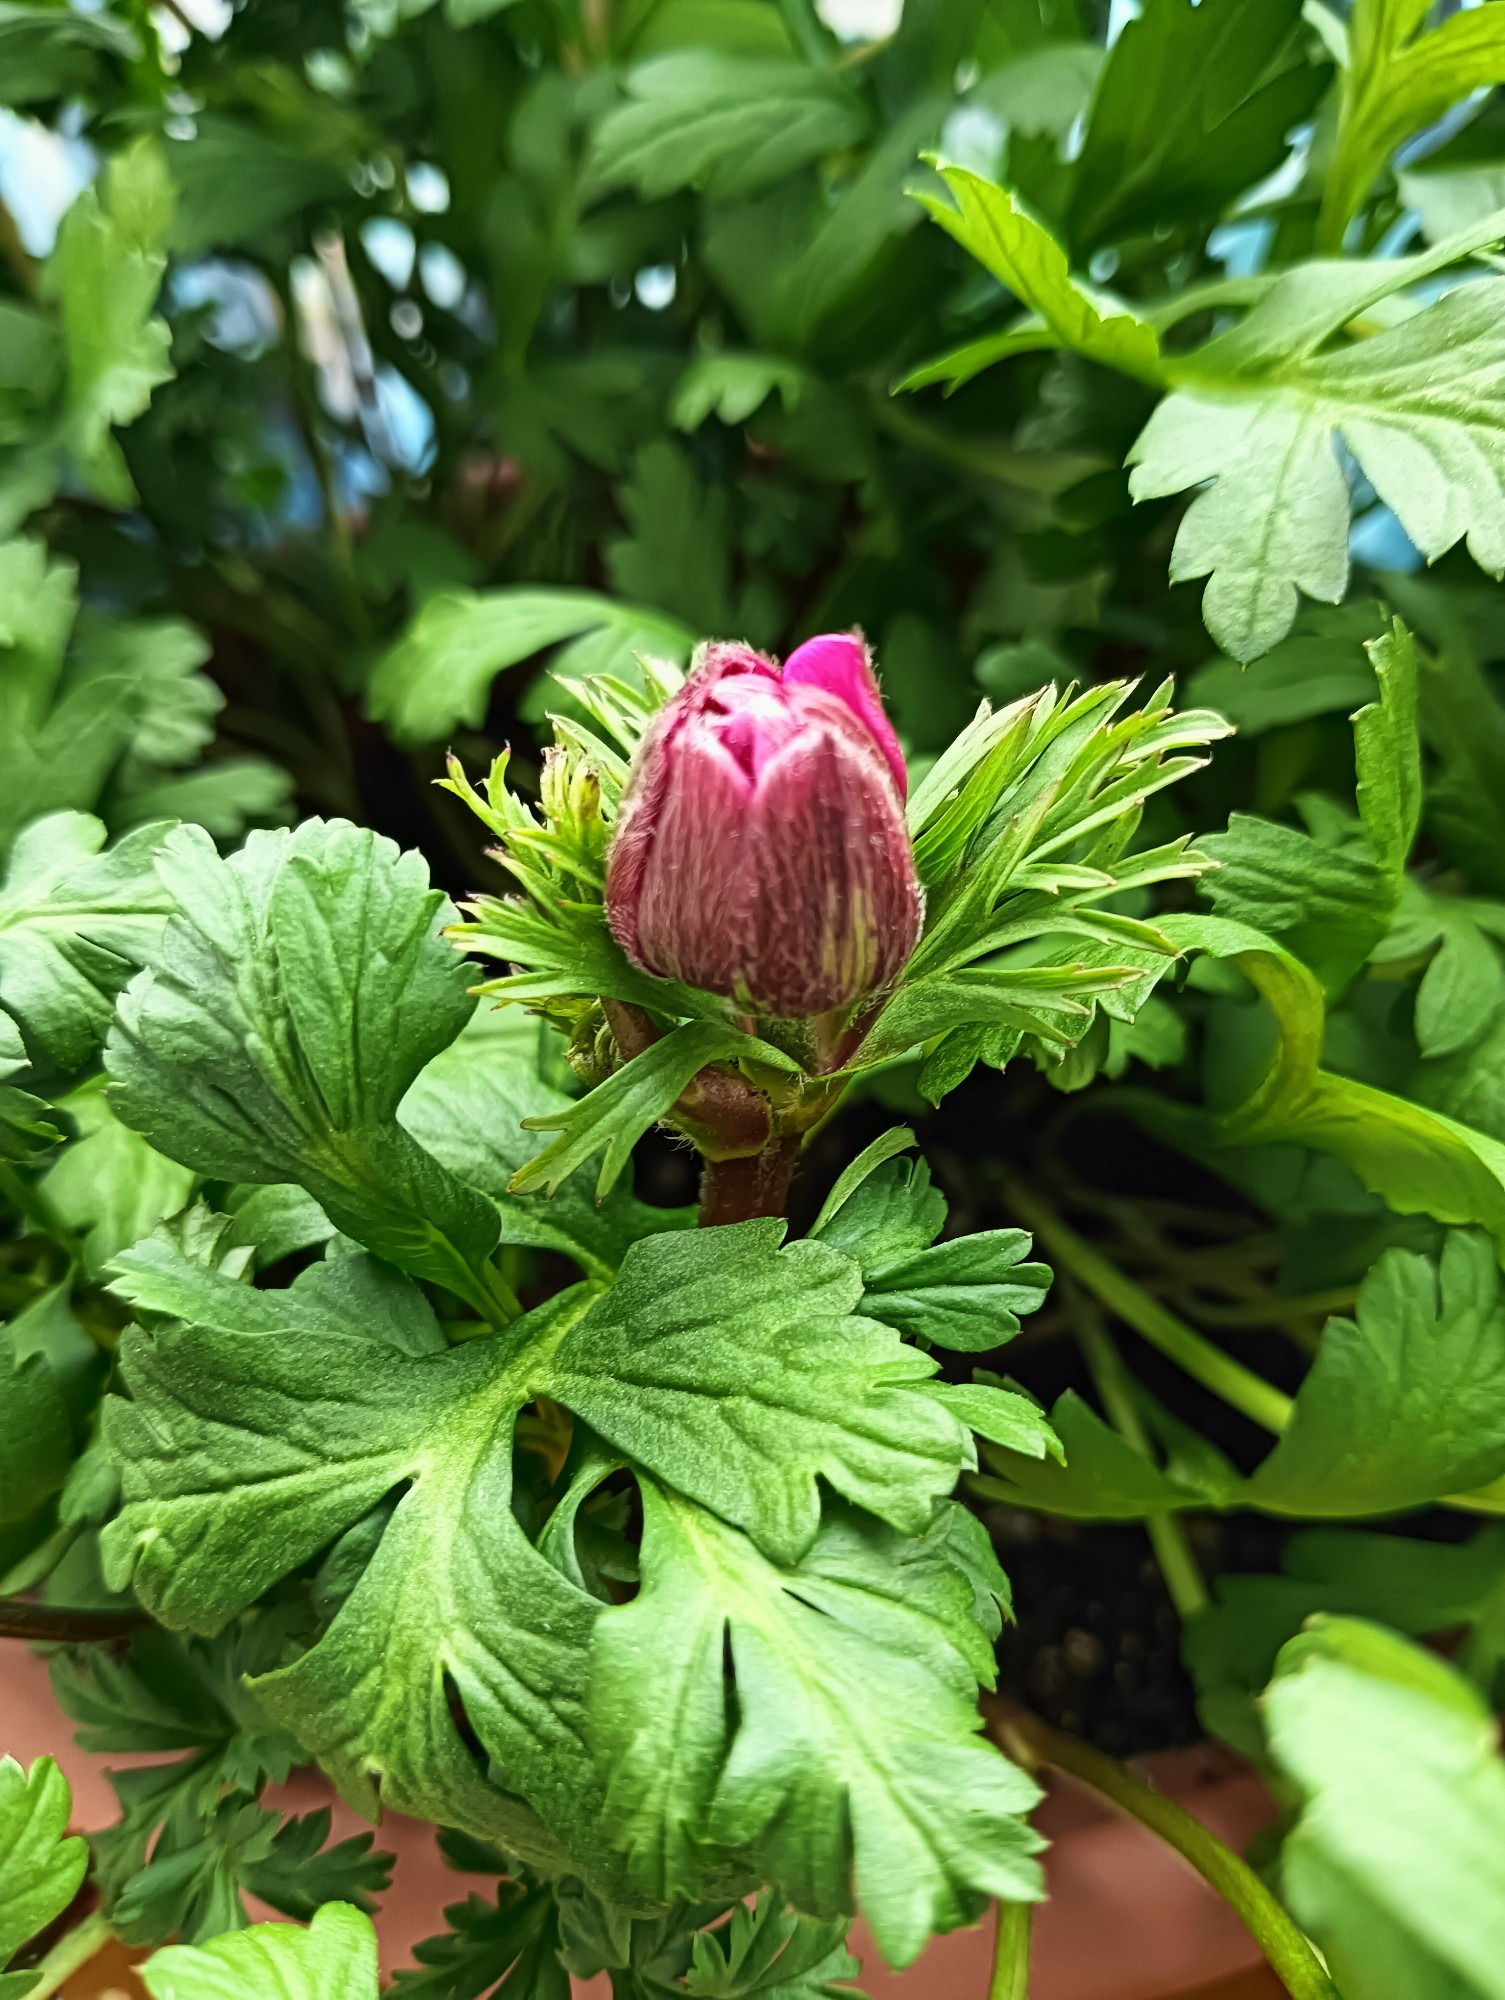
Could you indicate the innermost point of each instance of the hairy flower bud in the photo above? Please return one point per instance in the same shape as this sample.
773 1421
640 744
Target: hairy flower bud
761 850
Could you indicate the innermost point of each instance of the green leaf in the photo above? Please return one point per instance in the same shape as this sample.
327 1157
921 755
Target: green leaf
50 52
1415 1586
507 1948
438 676
1465 732
333 1959
1006 239
1193 106
302 1872
105 274
1387 751
768 1951
1400 76
730 1370
1253 422
967 1293
298 992
1328 903
616 1114
736 1372
110 1186
1461 991
41 1867
235 181
75 923
1405 1403
725 124
191 1837
920 1813
1330 895
1097 1475
224 797
469 1106
1420 1162
225 1492
1319 668
36 1432
678 554
1397 1864
1002 1416
733 386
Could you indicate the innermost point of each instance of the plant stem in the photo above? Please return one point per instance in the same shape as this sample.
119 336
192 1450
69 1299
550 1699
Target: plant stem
739 1190
75 1948
1167 1536
1033 1741
1010 1979
62 1624
1237 1385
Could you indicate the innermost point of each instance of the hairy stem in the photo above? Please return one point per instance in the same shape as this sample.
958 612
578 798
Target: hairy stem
1032 1741
1237 1385
1167 1535
73 1949
62 1624
1010 1980
739 1190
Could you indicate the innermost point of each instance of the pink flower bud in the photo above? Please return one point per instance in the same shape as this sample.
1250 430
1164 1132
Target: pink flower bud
761 850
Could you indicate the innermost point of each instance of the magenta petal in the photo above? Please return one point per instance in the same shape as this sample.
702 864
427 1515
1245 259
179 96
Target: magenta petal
839 663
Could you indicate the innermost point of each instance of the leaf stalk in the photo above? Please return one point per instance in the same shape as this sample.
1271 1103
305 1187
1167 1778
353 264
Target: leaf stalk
1032 1741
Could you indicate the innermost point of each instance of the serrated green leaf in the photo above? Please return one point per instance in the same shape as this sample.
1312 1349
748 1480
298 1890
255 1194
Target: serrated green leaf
775 1953
737 1372
733 386
725 124
1397 1864
105 274
75 923
1002 1416
1400 76
297 993
1256 428
1415 1586
452 1595
678 554
333 1959
507 1948
1400 1405
36 1433
1097 1475
225 1492
1421 1162
967 1293
920 1815
1329 903
1319 668
998 230
40 1866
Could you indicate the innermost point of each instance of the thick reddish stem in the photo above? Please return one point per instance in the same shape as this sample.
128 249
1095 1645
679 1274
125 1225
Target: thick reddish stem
739 1190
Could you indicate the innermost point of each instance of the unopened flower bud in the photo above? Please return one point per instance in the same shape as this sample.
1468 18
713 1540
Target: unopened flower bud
761 851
